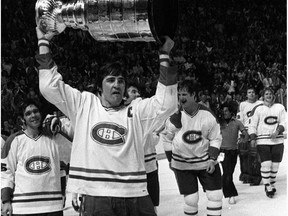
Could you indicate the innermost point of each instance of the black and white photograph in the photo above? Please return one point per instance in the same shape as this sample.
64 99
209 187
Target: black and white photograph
144 108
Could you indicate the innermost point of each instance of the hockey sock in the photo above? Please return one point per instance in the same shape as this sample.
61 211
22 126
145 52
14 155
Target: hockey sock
191 204
274 171
214 205
266 171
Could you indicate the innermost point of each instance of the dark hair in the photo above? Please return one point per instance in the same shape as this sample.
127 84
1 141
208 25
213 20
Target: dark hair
250 87
128 85
27 103
229 107
232 106
268 89
189 86
113 69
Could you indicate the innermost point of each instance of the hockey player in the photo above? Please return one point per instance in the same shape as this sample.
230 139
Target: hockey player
132 92
107 160
266 129
30 169
249 164
191 141
150 142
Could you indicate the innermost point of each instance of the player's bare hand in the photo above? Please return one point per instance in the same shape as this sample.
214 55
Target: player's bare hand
167 45
275 134
211 166
75 203
6 209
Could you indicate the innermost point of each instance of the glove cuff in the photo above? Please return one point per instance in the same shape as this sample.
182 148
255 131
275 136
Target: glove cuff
43 42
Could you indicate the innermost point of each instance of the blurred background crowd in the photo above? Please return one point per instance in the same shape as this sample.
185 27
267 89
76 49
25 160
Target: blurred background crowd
222 46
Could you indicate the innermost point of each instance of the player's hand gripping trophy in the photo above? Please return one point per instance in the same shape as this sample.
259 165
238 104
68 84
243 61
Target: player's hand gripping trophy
110 20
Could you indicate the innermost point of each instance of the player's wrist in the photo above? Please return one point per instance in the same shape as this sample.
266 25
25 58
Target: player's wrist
43 45
253 137
6 201
212 158
164 59
43 42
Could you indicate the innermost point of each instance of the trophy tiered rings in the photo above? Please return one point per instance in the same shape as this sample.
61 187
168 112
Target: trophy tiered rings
110 20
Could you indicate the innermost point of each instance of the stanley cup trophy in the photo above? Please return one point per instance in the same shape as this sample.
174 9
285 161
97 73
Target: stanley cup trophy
110 20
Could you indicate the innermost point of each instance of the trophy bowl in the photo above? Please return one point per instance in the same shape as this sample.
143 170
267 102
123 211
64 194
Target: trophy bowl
110 20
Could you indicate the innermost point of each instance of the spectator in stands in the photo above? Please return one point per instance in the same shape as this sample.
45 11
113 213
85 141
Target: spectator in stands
254 43
281 95
203 99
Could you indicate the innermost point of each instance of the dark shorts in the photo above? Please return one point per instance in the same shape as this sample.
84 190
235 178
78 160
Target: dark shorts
153 187
272 153
118 206
188 184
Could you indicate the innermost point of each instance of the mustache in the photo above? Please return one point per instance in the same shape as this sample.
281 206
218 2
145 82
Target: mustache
183 101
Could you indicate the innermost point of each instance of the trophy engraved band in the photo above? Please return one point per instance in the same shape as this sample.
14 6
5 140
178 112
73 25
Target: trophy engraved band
110 20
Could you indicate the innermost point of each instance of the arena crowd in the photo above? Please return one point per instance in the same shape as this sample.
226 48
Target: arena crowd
222 46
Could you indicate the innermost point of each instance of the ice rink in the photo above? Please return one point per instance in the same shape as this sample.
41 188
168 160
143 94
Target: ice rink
251 201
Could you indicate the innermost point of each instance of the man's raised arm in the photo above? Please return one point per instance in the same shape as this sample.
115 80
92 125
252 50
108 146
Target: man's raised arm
51 85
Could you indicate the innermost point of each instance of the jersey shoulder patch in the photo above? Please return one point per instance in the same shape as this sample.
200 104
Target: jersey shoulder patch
251 113
7 145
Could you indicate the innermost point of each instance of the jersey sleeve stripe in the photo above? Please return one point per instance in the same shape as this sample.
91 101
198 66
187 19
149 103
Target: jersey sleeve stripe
98 171
6 148
108 179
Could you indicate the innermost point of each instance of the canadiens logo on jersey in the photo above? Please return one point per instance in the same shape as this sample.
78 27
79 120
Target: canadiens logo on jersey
38 165
270 120
109 134
192 137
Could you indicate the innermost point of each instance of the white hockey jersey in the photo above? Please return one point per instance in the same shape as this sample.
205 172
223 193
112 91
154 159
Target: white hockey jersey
245 109
107 156
151 140
150 153
265 121
191 137
31 167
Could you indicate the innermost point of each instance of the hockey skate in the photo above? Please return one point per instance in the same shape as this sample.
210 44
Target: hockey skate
273 188
269 191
